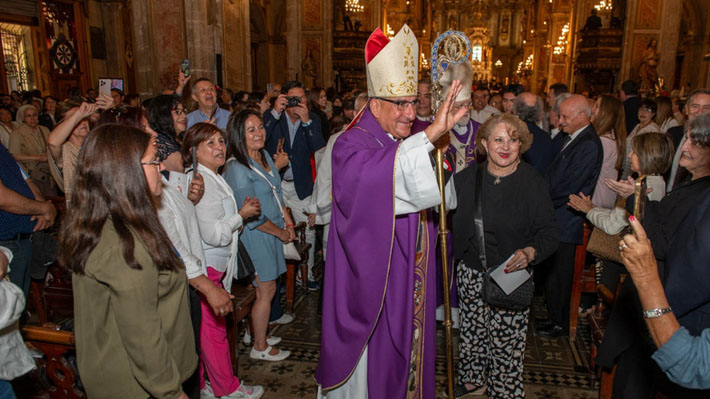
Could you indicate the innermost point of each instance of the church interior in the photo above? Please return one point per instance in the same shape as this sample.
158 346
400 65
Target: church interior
244 45
66 49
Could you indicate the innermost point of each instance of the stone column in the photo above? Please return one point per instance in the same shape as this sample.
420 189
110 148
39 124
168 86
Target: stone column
143 47
237 45
293 39
668 42
202 20
327 57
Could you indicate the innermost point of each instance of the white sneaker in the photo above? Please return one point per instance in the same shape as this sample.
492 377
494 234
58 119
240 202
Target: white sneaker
284 319
246 392
273 340
266 355
206 392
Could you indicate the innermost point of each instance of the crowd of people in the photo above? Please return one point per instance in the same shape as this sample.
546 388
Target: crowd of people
159 198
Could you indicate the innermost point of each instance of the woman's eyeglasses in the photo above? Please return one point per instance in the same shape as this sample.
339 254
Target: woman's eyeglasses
180 111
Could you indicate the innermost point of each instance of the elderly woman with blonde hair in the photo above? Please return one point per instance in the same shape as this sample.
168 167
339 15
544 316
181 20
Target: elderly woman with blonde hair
516 235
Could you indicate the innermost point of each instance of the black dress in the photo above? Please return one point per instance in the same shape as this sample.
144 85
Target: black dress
627 342
517 213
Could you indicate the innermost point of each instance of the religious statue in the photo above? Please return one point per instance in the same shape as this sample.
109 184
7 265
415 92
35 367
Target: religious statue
649 64
308 66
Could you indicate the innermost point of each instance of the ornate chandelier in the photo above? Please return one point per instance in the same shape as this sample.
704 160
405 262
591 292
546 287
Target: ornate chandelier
354 6
604 6
561 46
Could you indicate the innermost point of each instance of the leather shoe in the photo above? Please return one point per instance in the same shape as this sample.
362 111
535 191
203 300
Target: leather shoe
551 332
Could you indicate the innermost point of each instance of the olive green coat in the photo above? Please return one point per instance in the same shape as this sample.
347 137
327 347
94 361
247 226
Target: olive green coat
133 333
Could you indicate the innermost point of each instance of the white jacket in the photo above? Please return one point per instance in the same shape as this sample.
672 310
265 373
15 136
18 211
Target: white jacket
220 222
15 358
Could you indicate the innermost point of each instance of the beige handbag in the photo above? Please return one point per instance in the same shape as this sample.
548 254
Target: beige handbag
605 246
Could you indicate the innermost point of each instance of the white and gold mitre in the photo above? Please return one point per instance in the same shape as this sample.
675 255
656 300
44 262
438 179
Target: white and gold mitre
392 65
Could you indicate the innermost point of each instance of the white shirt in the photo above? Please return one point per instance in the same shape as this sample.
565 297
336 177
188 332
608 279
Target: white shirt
219 223
415 185
16 358
493 110
483 115
574 136
179 219
668 123
322 197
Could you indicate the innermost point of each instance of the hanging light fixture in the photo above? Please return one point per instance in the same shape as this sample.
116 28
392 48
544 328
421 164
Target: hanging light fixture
423 61
529 62
561 46
354 6
604 6
390 31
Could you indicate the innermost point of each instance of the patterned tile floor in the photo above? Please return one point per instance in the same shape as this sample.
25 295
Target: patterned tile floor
554 368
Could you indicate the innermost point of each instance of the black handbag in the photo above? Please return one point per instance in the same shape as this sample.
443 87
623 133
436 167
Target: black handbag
245 267
519 299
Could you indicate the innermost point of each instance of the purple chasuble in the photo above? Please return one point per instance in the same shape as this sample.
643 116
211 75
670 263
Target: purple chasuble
379 275
419 125
466 153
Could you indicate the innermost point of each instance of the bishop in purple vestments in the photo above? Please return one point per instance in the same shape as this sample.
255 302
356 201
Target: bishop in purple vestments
378 335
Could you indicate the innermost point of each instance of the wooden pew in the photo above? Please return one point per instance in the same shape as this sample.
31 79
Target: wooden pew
583 280
244 297
291 266
56 344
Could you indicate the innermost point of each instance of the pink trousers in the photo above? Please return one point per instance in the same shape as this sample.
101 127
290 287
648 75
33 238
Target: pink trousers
214 348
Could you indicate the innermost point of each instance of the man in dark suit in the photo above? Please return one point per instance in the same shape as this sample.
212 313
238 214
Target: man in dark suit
574 170
632 103
698 104
528 107
301 134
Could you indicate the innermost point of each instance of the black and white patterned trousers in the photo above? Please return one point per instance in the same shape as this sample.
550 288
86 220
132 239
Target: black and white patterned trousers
491 342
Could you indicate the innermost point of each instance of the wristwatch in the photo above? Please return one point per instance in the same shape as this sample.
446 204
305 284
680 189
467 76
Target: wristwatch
654 313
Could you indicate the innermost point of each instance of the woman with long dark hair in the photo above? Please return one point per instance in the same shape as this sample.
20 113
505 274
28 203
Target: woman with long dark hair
317 101
252 173
610 124
664 115
132 324
48 117
168 117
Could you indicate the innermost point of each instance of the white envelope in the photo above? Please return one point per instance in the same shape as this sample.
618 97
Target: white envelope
508 282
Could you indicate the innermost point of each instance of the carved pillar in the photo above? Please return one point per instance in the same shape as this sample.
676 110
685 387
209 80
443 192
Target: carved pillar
668 43
237 46
203 28
143 47
327 59
293 42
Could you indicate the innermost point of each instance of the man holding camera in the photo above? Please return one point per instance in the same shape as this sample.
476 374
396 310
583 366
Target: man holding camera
298 133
